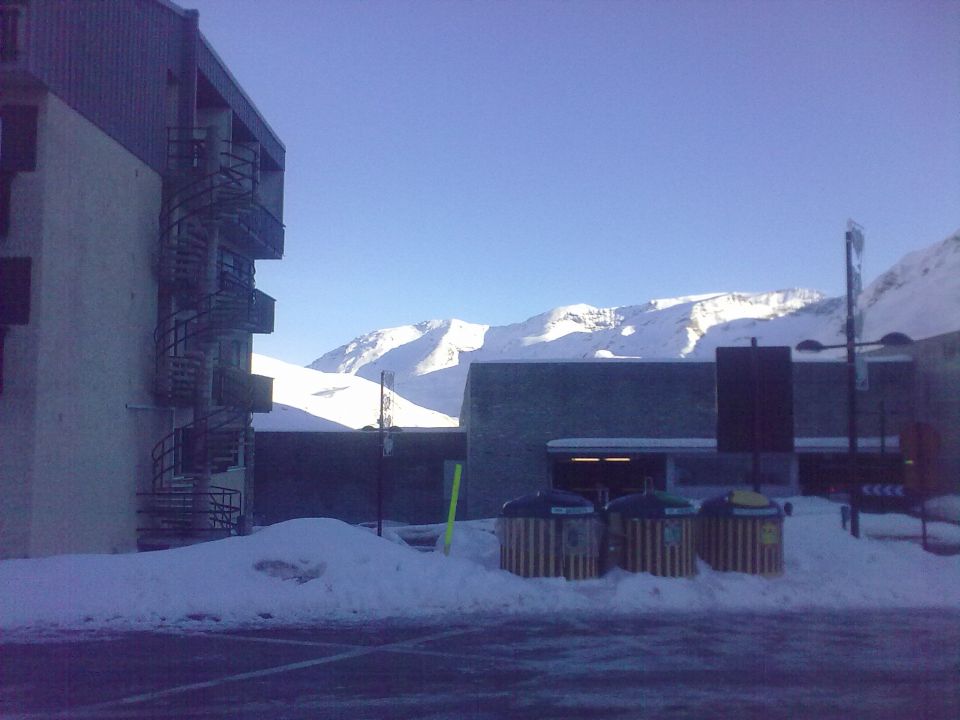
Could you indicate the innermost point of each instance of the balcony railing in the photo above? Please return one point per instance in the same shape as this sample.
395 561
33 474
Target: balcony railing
261 393
173 512
235 388
262 313
259 232
250 311
206 169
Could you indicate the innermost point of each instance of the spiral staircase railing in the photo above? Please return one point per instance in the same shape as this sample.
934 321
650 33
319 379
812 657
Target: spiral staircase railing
212 186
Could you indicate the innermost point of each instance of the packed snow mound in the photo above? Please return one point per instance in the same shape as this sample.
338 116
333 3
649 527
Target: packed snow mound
308 400
321 570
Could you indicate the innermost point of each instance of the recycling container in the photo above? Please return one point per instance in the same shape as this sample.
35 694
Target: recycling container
652 532
742 531
550 534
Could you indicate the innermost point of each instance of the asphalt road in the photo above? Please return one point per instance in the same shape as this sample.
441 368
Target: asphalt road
888 664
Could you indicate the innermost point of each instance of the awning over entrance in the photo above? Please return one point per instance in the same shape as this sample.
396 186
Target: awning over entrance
628 446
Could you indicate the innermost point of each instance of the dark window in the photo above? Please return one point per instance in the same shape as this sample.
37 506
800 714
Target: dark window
9 31
730 469
14 291
18 138
6 179
235 270
3 334
18 151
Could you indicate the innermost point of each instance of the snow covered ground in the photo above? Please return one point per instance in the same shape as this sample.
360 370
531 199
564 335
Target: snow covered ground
323 570
305 400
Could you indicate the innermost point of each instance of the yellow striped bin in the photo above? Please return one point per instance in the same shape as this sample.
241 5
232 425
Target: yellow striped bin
653 533
550 534
742 531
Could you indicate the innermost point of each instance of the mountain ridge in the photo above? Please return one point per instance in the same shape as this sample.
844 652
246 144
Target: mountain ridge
919 295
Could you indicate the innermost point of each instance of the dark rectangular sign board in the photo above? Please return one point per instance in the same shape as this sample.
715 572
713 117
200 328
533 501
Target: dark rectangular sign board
754 399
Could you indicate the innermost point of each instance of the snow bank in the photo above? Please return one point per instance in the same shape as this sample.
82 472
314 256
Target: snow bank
321 570
944 507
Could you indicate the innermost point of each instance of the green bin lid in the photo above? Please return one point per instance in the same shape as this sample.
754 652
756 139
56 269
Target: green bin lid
651 506
549 504
741 503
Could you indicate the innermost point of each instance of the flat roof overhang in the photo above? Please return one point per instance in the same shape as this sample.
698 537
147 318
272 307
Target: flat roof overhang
629 446
645 446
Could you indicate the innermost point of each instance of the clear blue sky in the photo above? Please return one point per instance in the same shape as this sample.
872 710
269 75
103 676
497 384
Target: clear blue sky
492 160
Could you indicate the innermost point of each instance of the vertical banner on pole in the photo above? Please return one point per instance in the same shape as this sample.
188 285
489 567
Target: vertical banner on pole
387 378
451 516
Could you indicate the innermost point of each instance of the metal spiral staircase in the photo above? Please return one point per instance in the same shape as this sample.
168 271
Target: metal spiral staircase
211 201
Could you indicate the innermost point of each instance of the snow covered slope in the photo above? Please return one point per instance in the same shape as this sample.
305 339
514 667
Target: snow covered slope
307 400
920 296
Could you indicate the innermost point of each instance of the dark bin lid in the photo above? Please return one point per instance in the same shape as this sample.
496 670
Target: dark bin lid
741 503
651 505
548 504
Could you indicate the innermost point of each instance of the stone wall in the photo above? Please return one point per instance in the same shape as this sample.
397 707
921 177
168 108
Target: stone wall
334 474
513 409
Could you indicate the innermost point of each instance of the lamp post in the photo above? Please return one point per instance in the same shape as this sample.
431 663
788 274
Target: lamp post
893 339
386 442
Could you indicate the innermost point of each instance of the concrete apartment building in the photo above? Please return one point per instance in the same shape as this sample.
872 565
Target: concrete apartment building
138 187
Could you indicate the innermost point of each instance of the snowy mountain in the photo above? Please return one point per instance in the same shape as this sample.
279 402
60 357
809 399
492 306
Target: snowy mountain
307 400
920 296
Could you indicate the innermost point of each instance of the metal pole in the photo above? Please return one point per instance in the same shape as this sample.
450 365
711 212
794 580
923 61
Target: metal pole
853 483
380 465
755 368
883 428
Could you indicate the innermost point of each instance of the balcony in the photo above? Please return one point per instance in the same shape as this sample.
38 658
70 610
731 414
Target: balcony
232 387
221 179
251 311
257 233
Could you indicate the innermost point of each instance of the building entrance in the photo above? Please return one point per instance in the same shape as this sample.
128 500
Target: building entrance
605 478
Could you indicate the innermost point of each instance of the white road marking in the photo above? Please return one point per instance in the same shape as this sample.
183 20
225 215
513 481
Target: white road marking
392 648
254 674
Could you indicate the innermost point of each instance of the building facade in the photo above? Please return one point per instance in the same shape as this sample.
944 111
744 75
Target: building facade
336 474
138 187
607 428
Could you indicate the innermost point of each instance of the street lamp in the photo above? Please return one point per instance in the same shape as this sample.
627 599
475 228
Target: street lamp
894 339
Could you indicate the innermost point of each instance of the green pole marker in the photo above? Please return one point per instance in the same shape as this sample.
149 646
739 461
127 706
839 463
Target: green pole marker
448 538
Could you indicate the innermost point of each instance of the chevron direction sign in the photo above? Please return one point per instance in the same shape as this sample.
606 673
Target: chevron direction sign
883 490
